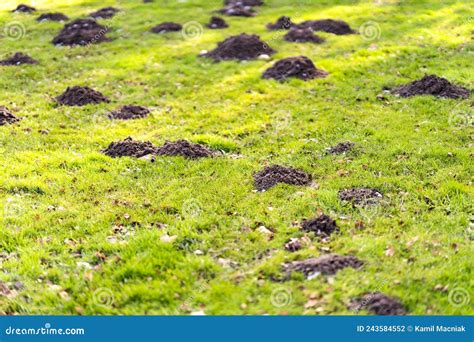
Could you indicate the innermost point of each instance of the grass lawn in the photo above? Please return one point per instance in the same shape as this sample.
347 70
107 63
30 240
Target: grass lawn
83 233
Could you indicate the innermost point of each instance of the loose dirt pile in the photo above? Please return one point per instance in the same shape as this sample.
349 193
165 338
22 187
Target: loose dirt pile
167 27
327 264
340 148
272 175
81 32
244 2
129 148
300 67
283 23
18 59
217 23
360 196
52 17
241 47
303 36
104 13
6 117
24 9
237 11
80 96
129 112
322 225
186 149
379 304
432 85
338 27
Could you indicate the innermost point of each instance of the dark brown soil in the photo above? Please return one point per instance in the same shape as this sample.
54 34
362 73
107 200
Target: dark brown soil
129 148
237 11
340 148
18 59
272 175
104 13
217 23
321 225
244 2
80 96
283 23
378 304
300 67
303 36
241 47
6 117
432 85
186 149
24 9
167 27
129 112
52 17
327 264
81 32
360 196
293 245
338 27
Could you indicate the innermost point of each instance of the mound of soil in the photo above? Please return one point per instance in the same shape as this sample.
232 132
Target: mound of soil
340 148
360 196
167 27
129 148
81 32
379 304
283 23
272 175
52 17
244 2
129 112
186 149
18 59
6 117
80 96
322 225
241 47
104 13
300 67
303 36
327 264
338 27
217 23
237 11
432 85
24 9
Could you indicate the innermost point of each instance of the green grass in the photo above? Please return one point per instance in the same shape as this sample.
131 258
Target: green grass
62 197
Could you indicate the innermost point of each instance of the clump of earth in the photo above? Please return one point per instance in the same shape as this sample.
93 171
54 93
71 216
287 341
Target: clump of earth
129 112
104 13
321 225
300 67
167 27
341 148
6 117
18 59
129 148
327 264
81 32
303 36
360 196
24 9
236 10
52 17
282 23
432 85
272 175
241 47
80 96
185 149
217 23
378 304
337 27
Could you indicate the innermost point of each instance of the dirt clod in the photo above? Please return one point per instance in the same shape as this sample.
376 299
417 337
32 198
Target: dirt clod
104 13
303 36
18 59
321 225
340 148
378 304
186 149
217 23
300 67
327 264
237 11
80 96
24 9
241 47
338 27
360 196
129 148
6 117
52 17
272 175
282 23
167 27
293 245
432 85
129 112
81 32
